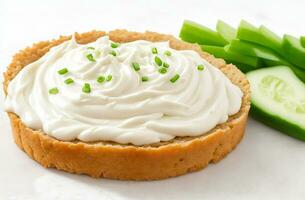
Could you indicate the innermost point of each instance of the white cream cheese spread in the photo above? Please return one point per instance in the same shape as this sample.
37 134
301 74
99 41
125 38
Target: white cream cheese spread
138 92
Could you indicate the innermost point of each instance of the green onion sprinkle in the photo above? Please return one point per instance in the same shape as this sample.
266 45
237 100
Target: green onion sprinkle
158 61
200 67
69 81
86 88
154 50
136 66
62 71
90 57
53 90
100 79
175 78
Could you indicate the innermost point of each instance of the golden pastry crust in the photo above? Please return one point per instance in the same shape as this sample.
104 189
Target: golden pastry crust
128 162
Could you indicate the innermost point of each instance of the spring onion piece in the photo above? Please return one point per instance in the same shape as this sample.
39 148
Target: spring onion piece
166 65
167 53
154 50
86 88
158 61
175 78
114 45
53 90
162 70
90 48
136 66
200 67
100 79
63 71
90 57
112 52
69 81
109 77
144 78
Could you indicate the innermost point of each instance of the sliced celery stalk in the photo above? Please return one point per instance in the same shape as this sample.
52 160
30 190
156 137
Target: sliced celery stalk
196 33
303 41
223 52
262 36
270 58
227 32
294 51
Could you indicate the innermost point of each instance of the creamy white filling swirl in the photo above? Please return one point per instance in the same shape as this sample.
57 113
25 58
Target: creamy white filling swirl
124 109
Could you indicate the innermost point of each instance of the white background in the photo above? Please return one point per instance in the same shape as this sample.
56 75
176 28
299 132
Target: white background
266 165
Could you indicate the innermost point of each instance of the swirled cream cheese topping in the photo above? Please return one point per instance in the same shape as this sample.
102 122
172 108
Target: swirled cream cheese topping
138 92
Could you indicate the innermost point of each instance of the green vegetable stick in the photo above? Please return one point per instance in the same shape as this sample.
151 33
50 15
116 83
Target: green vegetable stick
303 41
195 33
223 52
261 35
256 50
294 51
227 32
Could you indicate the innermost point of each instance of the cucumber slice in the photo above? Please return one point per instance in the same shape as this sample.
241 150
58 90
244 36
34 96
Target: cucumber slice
270 58
227 32
223 52
294 51
196 33
302 39
262 36
278 99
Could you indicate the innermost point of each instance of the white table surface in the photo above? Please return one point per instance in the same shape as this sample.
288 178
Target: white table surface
266 164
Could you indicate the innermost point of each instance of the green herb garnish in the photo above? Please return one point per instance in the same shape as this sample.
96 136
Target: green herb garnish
136 66
175 78
53 90
200 67
114 45
62 71
158 61
69 81
168 53
112 52
90 57
166 65
154 50
144 78
109 77
86 88
100 79
91 48
162 70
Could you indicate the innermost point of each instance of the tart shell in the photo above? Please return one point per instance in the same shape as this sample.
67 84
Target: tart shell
126 161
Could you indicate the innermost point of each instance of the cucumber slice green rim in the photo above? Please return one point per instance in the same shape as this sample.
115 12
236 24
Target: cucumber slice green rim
196 33
278 100
294 51
227 32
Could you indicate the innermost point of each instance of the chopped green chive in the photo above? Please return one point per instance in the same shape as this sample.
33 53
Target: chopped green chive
158 61
100 79
112 52
175 78
114 45
69 81
166 65
154 50
86 88
62 71
162 70
200 67
90 57
136 66
109 77
144 78
53 90
168 53
91 48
